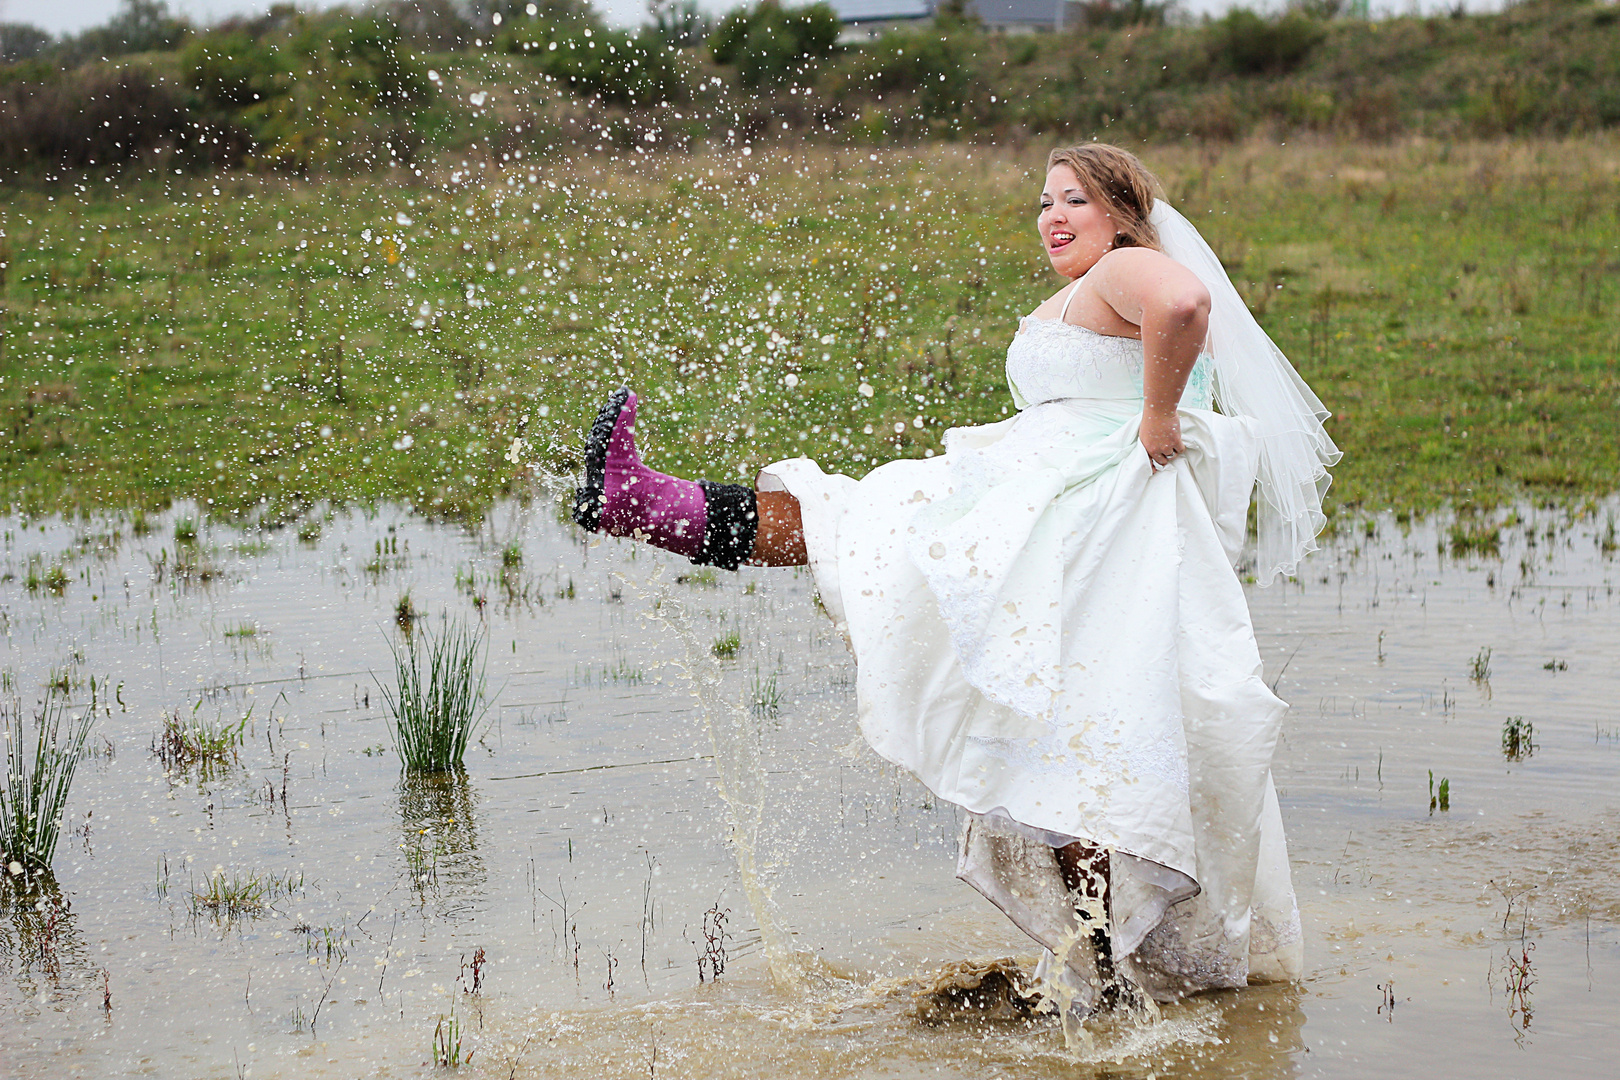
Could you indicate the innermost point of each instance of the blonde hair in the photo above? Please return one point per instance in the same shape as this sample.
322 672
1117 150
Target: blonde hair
1117 179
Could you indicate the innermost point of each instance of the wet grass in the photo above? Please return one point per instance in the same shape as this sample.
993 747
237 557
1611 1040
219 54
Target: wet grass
237 894
1454 303
195 741
43 750
726 646
763 695
437 696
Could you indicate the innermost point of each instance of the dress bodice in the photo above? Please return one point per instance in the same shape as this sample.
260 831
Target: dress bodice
1050 360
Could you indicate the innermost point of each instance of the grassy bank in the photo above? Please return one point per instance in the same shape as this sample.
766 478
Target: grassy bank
341 91
266 343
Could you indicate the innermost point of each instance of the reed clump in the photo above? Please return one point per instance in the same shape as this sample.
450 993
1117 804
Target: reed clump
438 696
42 754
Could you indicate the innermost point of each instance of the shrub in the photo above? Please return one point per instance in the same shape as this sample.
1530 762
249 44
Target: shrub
935 67
678 23
1250 44
1107 14
596 62
104 117
772 45
233 70
139 26
432 25
350 98
21 41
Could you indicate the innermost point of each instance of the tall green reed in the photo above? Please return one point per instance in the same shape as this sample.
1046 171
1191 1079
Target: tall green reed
438 695
42 754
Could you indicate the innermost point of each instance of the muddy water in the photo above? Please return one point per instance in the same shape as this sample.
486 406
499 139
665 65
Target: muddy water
664 863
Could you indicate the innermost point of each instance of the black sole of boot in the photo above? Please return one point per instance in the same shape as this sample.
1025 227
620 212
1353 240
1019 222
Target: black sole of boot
588 498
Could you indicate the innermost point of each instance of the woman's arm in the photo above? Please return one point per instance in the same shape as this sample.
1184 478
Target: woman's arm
1171 306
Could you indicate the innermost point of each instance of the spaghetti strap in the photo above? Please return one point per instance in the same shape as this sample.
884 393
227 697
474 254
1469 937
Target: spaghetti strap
1063 316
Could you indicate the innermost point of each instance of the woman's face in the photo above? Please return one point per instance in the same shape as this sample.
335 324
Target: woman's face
1075 231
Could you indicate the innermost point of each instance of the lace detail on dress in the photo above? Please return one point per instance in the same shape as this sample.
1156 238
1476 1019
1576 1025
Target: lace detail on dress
1050 360
1267 937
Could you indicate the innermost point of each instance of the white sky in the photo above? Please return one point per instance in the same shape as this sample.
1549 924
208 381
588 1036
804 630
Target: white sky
67 16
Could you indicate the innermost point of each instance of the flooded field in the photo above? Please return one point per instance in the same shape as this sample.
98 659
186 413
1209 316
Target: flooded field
670 854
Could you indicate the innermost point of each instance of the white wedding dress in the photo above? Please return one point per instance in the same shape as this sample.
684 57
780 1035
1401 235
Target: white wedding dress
1051 635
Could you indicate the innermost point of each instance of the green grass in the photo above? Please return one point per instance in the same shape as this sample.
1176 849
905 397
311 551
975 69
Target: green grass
727 645
43 750
438 695
237 894
447 1043
1454 303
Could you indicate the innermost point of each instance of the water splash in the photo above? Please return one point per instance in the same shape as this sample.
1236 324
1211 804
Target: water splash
735 737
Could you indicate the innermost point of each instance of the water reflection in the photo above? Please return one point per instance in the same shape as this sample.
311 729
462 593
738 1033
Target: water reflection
439 843
40 942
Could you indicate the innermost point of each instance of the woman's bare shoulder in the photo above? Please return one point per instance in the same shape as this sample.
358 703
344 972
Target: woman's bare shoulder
1141 273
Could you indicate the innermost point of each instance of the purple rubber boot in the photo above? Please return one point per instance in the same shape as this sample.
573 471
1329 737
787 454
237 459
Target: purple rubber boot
622 497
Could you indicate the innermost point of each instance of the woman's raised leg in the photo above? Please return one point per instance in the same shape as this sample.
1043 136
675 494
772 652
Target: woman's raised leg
714 524
780 540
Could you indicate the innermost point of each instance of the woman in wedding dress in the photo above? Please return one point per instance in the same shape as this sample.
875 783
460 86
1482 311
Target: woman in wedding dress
1047 624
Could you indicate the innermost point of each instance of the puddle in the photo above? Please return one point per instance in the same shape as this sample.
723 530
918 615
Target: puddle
575 902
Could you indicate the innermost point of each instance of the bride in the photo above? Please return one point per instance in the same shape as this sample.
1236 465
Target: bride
1047 625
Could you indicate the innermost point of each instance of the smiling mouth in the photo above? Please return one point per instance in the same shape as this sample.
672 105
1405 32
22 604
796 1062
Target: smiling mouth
1059 240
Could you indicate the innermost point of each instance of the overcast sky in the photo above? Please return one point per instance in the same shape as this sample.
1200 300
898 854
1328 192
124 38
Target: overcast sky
67 16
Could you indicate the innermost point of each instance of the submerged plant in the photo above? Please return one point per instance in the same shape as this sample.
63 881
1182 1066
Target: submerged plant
197 741
1479 668
1439 798
41 758
763 696
405 613
447 1043
726 646
438 695
1518 738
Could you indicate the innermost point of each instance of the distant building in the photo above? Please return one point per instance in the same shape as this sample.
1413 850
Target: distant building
865 19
